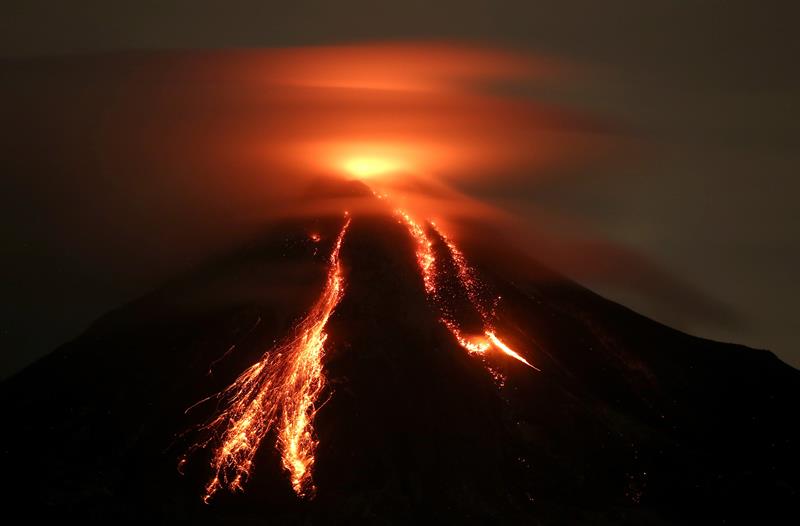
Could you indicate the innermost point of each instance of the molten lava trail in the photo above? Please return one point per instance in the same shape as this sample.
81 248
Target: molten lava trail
473 286
281 391
426 259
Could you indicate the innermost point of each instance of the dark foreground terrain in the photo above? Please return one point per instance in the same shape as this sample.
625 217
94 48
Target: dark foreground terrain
629 422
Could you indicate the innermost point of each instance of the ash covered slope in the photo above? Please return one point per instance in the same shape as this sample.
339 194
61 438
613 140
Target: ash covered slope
627 422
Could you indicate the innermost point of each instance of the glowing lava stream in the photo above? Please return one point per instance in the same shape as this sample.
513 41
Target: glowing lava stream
427 263
280 389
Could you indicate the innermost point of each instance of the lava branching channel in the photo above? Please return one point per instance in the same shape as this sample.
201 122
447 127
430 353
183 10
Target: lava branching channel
279 391
487 337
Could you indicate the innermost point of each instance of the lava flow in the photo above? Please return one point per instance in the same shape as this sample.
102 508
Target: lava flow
279 390
426 259
471 285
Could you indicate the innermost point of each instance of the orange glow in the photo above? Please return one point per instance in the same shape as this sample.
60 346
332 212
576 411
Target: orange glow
280 390
399 108
507 350
425 255
473 345
426 259
467 276
399 66
472 287
369 167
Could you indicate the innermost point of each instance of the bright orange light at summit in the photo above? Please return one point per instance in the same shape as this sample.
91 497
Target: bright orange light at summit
392 108
369 167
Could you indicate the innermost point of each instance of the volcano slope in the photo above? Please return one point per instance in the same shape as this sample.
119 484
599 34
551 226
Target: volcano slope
627 421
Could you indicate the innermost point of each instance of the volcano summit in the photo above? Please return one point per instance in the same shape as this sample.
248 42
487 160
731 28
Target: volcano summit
365 368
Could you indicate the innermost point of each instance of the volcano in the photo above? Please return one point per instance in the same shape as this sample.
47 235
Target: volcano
362 368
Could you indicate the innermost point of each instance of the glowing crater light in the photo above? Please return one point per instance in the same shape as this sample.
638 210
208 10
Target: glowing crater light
369 167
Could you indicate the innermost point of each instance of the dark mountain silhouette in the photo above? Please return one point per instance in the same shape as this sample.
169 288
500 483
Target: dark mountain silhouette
628 422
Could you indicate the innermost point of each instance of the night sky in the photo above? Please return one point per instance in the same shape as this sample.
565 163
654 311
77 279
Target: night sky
708 91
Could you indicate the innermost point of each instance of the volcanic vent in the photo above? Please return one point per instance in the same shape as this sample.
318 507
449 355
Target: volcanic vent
367 367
